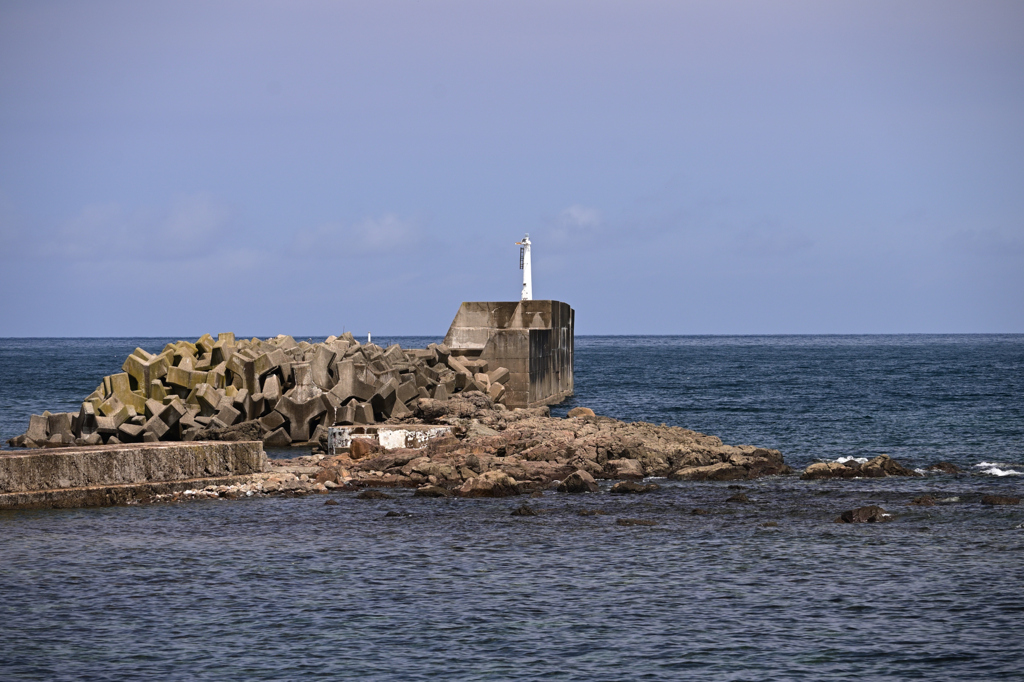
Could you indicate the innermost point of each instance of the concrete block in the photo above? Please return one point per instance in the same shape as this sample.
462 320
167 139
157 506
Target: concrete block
253 406
441 392
208 399
37 428
173 412
205 363
346 414
272 420
457 366
299 415
157 390
483 380
407 391
156 426
93 439
349 383
60 423
130 433
204 344
227 415
145 368
243 366
363 414
278 438
271 388
319 367
153 407
496 392
150 437
499 375
423 392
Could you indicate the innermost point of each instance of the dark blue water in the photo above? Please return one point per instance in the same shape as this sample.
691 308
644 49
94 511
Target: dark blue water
458 589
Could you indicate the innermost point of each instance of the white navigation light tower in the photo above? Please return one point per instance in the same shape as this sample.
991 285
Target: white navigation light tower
524 265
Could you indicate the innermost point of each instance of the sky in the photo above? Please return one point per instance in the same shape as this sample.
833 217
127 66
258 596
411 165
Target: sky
309 168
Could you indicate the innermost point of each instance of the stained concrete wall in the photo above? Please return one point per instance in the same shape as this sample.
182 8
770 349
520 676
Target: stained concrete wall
111 474
533 339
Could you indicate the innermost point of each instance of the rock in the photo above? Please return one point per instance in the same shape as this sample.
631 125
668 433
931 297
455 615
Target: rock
578 482
524 510
869 514
626 469
373 495
770 524
879 467
331 503
739 497
489 484
923 501
363 447
581 412
999 500
883 465
631 487
635 522
699 512
432 491
944 467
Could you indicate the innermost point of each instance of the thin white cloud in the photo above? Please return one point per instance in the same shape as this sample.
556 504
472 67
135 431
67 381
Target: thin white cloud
387 233
190 228
580 217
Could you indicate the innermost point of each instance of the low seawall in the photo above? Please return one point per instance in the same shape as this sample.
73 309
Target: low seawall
120 474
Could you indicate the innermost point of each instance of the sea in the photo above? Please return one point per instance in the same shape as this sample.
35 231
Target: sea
681 583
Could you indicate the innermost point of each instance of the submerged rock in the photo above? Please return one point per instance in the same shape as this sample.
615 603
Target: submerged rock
868 514
631 487
373 495
945 467
879 467
635 522
999 500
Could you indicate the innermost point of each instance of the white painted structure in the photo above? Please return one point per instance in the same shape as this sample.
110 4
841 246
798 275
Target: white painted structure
339 438
524 265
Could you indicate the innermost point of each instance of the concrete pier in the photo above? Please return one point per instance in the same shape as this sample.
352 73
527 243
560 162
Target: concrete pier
119 474
533 339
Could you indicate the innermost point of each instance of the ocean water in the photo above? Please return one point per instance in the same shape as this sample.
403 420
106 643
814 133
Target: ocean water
277 588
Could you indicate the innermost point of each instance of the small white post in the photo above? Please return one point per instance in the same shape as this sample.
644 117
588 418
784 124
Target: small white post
524 265
368 338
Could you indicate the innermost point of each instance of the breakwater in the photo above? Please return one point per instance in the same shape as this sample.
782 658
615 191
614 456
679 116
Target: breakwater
277 390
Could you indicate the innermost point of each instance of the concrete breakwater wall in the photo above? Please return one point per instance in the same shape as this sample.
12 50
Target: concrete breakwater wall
119 474
276 390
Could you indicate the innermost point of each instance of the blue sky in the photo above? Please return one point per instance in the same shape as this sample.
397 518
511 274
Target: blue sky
681 167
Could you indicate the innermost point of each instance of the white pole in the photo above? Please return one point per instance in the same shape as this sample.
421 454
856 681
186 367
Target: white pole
527 270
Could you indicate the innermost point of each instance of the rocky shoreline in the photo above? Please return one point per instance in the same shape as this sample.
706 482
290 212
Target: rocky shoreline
494 451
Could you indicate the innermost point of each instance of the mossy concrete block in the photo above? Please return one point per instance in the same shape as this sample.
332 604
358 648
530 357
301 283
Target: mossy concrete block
25 477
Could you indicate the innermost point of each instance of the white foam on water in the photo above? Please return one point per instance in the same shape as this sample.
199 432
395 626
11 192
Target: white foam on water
921 471
998 469
950 499
859 460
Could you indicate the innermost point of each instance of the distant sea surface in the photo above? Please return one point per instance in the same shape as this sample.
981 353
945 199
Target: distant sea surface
277 588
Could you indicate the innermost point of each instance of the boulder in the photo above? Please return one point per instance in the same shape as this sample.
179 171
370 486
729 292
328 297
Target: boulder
869 514
581 412
633 488
578 482
489 484
432 491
